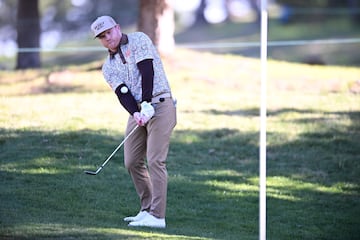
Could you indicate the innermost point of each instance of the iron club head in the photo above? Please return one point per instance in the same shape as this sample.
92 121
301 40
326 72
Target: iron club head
112 154
90 172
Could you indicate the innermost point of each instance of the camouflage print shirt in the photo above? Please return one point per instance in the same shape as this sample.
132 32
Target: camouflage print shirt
136 48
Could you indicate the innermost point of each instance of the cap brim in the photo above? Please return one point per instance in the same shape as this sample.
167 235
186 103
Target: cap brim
104 31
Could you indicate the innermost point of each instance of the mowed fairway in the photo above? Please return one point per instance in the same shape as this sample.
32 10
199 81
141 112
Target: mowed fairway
56 124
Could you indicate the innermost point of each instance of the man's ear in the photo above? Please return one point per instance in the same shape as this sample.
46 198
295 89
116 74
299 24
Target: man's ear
118 27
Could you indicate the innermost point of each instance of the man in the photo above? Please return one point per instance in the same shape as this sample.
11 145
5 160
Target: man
135 73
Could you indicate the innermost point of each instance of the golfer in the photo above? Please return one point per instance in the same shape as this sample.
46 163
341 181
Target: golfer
135 73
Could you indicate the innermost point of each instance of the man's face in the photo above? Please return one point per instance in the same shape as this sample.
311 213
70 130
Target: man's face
111 38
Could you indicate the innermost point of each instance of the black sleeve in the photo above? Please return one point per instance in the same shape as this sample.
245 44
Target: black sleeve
127 100
146 69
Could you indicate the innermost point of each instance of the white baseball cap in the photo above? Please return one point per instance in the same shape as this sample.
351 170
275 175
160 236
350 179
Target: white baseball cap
102 24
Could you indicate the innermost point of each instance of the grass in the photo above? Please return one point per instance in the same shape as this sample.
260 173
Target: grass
55 124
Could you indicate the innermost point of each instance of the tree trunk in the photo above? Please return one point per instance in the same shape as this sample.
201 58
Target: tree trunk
157 21
28 33
199 14
353 7
254 5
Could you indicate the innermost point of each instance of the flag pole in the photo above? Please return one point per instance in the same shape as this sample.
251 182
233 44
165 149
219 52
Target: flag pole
262 170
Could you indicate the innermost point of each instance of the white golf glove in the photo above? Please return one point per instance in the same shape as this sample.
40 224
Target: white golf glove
147 112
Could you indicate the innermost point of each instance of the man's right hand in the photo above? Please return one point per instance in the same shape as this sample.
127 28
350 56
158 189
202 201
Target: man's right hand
138 119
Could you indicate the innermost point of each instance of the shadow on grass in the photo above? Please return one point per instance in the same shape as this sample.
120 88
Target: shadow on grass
213 187
331 142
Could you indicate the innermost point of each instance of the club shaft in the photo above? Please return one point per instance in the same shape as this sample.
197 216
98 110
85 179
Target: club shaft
116 149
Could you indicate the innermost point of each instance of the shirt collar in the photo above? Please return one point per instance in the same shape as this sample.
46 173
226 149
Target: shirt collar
123 41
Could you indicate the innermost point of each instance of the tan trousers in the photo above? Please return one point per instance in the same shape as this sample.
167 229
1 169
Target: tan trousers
151 143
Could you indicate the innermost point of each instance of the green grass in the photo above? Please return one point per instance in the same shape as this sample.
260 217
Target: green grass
55 125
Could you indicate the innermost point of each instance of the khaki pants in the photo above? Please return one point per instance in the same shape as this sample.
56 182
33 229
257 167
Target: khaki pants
151 143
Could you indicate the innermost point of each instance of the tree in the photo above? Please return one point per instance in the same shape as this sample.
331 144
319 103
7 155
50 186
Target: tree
28 33
157 21
255 5
354 6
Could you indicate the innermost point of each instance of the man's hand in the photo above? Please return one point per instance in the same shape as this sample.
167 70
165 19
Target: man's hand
137 118
147 112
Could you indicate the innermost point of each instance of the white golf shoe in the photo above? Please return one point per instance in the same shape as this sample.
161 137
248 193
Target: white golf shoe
149 221
138 217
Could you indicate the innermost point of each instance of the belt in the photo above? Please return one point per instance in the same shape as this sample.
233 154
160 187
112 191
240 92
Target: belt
160 98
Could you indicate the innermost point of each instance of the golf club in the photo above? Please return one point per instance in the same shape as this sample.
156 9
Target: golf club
112 154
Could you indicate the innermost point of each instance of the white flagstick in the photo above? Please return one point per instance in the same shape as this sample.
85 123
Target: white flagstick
262 181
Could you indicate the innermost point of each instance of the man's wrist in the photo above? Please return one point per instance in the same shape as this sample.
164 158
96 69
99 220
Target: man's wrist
146 100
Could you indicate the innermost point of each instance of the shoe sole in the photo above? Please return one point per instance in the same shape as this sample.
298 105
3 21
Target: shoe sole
149 226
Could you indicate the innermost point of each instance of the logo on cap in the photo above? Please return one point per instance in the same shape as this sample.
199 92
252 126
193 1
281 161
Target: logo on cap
102 24
99 26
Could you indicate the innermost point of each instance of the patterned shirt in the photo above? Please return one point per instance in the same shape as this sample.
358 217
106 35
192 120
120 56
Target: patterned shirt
138 48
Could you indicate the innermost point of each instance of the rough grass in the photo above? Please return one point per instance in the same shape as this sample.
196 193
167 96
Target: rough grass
54 124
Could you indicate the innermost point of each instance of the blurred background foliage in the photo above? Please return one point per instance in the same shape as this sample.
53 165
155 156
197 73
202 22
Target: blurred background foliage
66 23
